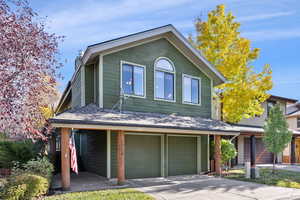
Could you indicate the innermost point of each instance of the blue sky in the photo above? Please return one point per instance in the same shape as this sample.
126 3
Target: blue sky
272 26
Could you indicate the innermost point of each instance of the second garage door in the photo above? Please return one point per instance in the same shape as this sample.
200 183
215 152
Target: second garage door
182 155
142 156
262 155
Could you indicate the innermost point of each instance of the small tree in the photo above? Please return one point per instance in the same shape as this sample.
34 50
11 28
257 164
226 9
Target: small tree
276 135
228 151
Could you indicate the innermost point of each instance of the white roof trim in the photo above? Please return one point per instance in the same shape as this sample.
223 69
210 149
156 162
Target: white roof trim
146 34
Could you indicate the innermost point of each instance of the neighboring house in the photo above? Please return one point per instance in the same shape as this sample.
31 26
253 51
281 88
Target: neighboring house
141 106
254 127
292 153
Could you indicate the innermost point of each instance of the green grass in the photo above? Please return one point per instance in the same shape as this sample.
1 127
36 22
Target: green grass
281 178
116 194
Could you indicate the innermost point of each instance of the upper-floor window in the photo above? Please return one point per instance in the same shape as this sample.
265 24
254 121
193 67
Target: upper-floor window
164 75
191 89
270 104
133 79
298 122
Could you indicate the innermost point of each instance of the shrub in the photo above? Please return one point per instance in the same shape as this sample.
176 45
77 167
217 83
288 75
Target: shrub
15 192
25 187
17 151
39 166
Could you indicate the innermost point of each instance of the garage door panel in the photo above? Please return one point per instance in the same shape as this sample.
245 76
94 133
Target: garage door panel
142 156
182 155
262 155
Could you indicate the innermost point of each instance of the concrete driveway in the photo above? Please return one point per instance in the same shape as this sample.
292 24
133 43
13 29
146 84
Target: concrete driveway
211 188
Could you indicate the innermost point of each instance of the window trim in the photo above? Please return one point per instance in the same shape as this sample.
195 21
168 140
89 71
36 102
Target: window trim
121 78
166 71
200 91
298 122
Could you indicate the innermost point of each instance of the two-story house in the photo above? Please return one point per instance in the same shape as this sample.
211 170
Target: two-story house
141 106
292 153
254 127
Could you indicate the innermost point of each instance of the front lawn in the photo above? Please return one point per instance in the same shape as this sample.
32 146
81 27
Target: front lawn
116 194
281 178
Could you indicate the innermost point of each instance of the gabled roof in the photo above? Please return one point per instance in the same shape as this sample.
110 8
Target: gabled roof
91 116
289 100
166 31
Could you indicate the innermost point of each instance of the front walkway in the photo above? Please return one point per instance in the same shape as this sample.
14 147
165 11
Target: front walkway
210 188
84 181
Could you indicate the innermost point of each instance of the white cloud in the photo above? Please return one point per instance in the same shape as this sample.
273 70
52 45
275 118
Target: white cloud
93 12
264 16
277 34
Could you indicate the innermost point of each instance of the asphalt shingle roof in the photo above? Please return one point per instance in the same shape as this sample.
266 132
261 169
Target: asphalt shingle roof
92 114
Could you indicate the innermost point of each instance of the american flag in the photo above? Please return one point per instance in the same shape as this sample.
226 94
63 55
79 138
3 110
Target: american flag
73 155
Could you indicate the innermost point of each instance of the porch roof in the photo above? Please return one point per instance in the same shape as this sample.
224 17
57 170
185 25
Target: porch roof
245 129
91 116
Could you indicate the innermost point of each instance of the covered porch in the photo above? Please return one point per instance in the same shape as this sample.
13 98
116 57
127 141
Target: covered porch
140 145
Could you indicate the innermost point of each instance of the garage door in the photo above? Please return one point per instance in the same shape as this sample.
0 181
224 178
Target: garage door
142 156
262 155
182 155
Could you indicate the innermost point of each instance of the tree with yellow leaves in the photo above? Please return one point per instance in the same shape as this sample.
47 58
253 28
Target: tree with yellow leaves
220 41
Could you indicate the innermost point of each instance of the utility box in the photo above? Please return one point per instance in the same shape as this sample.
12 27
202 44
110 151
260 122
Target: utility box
247 169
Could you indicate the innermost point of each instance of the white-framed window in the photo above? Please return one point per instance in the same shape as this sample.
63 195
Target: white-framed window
191 90
164 80
133 79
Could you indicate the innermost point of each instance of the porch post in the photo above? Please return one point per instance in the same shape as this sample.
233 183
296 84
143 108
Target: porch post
121 157
218 154
252 156
293 151
65 159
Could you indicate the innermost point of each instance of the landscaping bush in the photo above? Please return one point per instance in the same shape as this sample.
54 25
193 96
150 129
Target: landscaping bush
39 166
17 151
15 192
25 187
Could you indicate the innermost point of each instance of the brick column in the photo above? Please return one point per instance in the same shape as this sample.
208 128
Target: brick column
121 157
65 158
218 154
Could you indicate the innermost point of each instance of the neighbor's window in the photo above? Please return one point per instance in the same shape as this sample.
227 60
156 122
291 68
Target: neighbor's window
164 79
270 104
133 79
191 89
298 122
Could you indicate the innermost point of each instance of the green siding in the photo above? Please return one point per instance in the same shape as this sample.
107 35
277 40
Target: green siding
145 55
89 84
76 91
143 156
182 155
204 153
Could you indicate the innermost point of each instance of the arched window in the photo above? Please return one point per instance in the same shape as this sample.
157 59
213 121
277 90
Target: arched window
164 74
